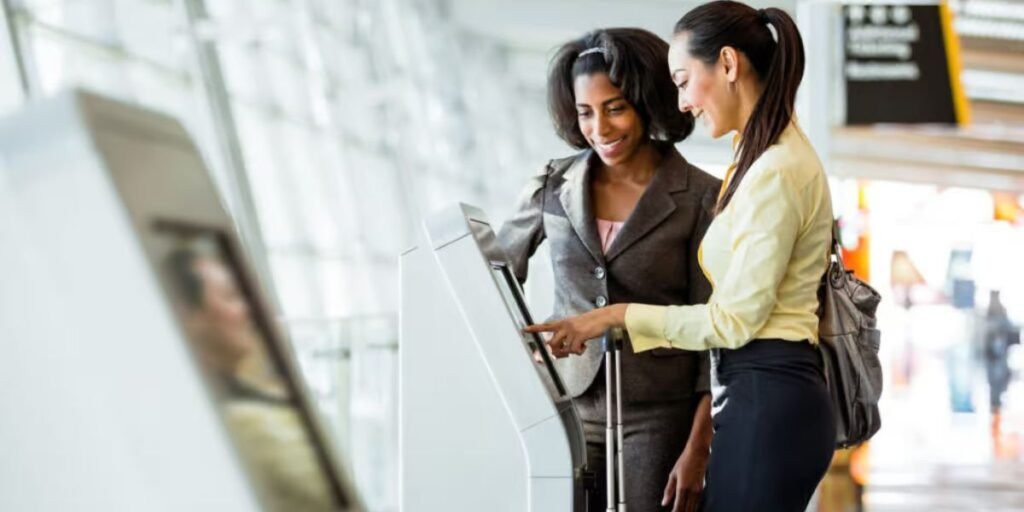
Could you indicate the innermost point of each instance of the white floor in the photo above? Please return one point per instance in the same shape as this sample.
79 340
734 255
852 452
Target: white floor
927 458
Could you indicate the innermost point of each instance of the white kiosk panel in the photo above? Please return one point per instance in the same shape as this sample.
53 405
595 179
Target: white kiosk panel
484 312
115 393
459 450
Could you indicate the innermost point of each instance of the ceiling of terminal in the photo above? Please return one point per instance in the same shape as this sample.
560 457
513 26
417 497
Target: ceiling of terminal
531 29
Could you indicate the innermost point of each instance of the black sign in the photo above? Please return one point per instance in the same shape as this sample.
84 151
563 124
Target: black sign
902 65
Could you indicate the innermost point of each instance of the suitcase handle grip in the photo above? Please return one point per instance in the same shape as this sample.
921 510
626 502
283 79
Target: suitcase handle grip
611 340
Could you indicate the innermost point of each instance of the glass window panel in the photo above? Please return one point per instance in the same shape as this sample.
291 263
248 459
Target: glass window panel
59 62
300 176
366 286
314 345
170 93
241 75
227 10
338 283
296 287
340 196
89 20
138 23
383 287
57 65
286 83
442 192
325 360
325 197
359 113
262 156
267 10
338 15
374 422
381 197
347 64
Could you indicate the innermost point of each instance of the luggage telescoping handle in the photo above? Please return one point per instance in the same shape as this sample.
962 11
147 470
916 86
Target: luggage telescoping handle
611 344
608 347
617 338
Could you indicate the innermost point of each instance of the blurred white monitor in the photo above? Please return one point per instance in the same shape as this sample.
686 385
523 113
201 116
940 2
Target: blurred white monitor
140 367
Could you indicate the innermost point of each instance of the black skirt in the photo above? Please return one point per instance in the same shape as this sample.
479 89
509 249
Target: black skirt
774 428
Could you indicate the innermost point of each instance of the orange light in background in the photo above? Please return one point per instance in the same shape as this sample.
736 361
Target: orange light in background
856 257
860 464
1006 206
903 272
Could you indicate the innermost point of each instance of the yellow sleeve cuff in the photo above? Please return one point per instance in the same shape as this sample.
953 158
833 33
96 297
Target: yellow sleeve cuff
646 327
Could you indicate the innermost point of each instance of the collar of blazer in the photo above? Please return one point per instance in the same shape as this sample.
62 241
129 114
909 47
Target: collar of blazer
655 205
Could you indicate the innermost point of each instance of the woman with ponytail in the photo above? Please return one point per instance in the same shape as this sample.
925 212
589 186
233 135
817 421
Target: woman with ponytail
737 69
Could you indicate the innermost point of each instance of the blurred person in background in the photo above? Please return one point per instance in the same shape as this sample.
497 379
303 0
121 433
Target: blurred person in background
738 69
624 217
998 335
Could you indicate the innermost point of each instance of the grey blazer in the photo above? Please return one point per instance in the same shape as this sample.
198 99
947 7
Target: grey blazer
653 260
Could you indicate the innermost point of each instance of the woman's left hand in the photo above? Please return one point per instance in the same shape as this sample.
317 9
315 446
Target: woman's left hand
570 335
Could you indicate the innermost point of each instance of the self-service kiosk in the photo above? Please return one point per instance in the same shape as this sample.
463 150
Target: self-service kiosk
485 421
140 367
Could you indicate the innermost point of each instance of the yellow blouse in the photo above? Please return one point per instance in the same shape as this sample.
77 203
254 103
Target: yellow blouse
764 255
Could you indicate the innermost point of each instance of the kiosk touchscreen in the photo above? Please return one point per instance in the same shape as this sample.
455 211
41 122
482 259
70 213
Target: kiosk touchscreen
479 397
144 370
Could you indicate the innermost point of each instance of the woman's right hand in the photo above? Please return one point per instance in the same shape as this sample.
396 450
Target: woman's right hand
570 335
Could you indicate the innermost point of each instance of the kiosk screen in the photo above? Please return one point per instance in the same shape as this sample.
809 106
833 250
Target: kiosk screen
513 296
256 392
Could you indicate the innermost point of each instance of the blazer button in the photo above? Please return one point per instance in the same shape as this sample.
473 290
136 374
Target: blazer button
601 301
599 272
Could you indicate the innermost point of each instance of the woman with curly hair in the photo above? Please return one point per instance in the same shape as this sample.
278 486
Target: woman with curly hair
624 217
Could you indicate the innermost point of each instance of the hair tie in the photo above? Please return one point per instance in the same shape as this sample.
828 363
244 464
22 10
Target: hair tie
763 16
596 49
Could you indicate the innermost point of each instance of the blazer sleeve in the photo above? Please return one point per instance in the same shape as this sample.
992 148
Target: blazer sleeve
523 232
699 288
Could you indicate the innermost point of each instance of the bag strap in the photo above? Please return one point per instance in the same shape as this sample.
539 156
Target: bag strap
836 249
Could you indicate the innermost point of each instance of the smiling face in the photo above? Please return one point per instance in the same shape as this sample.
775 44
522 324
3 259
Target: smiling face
607 120
703 88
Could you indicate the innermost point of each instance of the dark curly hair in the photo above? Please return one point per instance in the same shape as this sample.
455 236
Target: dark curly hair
636 61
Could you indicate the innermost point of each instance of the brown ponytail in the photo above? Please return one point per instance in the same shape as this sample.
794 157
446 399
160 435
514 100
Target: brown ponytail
780 64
